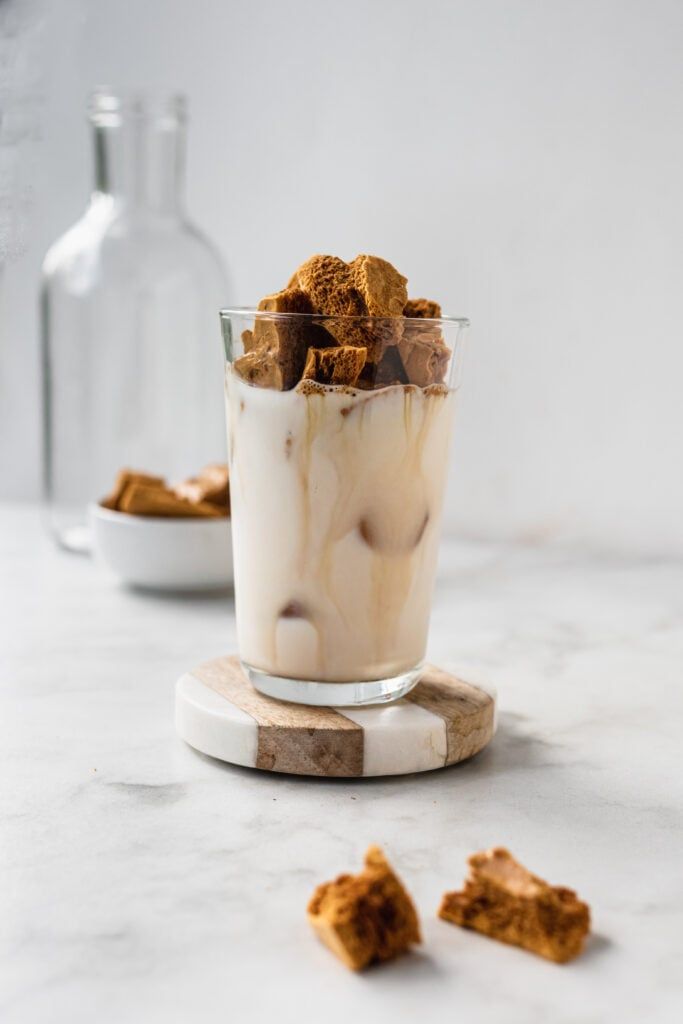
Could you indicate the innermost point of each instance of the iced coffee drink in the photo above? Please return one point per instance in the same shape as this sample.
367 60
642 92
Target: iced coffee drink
340 398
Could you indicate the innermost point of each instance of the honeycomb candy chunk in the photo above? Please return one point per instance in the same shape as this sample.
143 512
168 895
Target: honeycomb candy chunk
328 283
382 287
365 918
278 345
141 500
424 357
267 333
422 309
262 369
340 365
503 900
124 478
211 484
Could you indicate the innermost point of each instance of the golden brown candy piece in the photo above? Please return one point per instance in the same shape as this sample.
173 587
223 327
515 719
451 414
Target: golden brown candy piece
381 286
384 294
422 308
141 500
503 900
371 295
247 341
340 365
272 333
328 283
124 477
211 484
261 369
366 917
275 352
422 348
367 287
424 357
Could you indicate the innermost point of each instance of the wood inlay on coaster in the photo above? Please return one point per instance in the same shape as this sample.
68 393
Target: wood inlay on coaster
442 721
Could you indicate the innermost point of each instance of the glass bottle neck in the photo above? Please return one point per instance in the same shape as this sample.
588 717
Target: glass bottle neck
140 163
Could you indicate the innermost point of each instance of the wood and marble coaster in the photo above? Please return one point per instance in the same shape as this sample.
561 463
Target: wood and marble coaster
441 721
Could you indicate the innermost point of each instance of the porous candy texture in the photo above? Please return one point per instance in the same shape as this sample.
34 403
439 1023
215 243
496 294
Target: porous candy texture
369 300
503 900
365 918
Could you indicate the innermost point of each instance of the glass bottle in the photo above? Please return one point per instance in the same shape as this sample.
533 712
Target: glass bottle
130 294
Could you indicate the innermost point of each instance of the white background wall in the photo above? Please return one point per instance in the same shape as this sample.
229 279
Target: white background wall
520 161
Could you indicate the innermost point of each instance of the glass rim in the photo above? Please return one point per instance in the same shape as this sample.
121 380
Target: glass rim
263 314
109 105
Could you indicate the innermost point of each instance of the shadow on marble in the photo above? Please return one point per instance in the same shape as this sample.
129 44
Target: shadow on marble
413 968
209 594
516 747
156 794
596 945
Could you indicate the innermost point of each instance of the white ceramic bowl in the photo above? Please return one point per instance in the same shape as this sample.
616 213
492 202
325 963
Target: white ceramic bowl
163 554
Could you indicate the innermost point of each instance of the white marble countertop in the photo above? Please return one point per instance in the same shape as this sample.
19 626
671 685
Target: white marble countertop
143 882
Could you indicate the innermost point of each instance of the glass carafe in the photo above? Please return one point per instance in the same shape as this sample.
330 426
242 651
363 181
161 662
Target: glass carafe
132 363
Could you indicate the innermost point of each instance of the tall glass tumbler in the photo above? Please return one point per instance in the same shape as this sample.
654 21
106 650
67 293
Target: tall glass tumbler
337 495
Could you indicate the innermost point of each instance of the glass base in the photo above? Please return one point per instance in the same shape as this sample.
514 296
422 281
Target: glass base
333 695
76 539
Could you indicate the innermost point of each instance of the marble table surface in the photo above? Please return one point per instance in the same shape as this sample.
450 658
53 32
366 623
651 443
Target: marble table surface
143 882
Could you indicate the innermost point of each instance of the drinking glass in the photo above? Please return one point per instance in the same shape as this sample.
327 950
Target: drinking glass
337 496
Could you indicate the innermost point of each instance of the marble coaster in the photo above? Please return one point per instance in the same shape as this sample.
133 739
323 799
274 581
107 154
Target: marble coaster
442 721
